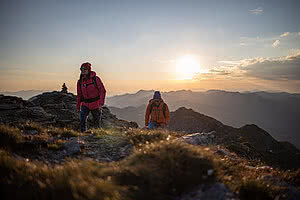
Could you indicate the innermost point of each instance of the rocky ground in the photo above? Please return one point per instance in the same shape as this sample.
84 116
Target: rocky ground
49 157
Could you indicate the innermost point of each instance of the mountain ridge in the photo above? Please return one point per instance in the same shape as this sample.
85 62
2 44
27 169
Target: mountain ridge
121 161
275 112
240 140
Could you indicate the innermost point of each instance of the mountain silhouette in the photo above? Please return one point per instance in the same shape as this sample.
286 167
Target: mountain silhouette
248 141
24 94
43 156
277 113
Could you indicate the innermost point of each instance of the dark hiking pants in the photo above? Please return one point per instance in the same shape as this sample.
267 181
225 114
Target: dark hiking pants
84 115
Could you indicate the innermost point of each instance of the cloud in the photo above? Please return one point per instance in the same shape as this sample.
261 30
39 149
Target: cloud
274 68
298 33
257 11
276 43
282 68
285 34
230 62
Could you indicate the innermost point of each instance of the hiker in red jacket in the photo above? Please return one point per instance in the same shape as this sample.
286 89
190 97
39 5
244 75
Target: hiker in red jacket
90 96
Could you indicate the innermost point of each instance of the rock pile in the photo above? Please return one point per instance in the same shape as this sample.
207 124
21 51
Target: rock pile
52 108
202 139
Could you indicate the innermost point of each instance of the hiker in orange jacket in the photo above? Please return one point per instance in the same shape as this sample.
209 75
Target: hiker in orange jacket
158 112
90 96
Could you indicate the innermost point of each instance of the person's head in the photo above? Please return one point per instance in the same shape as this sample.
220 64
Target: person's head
85 68
156 95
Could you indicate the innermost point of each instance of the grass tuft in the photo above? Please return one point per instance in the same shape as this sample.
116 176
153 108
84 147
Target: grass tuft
164 169
63 132
160 167
9 137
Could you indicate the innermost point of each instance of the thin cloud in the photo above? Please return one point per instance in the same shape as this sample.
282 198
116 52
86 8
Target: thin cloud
230 62
276 43
257 11
284 68
285 34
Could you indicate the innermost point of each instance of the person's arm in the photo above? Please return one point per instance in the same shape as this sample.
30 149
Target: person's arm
78 96
147 115
102 90
167 113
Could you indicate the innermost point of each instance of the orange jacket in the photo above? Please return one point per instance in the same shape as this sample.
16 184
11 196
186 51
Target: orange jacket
156 113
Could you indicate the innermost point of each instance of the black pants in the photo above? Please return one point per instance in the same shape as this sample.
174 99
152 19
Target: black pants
84 115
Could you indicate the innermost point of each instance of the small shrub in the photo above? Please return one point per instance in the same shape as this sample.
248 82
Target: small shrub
144 136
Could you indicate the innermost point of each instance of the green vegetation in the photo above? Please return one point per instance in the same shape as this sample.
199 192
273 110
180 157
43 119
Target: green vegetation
160 167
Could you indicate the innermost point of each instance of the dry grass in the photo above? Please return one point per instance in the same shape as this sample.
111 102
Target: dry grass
159 168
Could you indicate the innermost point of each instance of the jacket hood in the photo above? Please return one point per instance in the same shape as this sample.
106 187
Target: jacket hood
155 101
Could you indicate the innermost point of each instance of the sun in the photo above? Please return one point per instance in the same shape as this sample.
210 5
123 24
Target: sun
187 66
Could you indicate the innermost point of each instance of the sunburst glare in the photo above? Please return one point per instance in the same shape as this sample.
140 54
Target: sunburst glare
187 67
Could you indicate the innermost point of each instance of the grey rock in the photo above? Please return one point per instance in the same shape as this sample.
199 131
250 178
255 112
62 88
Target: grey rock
222 152
107 148
30 132
218 191
200 138
72 147
9 106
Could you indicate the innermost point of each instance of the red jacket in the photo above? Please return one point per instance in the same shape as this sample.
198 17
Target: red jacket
87 91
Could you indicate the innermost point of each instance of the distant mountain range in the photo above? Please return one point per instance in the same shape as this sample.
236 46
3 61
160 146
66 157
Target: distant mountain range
24 94
277 113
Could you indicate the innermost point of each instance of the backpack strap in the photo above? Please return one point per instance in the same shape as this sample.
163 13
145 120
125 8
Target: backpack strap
95 84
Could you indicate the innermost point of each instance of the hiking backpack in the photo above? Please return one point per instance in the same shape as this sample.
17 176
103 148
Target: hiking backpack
95 84
164 108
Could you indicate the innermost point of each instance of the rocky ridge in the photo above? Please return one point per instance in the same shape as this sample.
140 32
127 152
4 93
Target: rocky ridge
249 141
51 108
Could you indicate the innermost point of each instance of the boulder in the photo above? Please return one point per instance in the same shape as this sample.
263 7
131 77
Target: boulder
203 139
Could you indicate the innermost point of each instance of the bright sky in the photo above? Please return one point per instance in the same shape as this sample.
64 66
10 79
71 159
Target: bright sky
162 45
